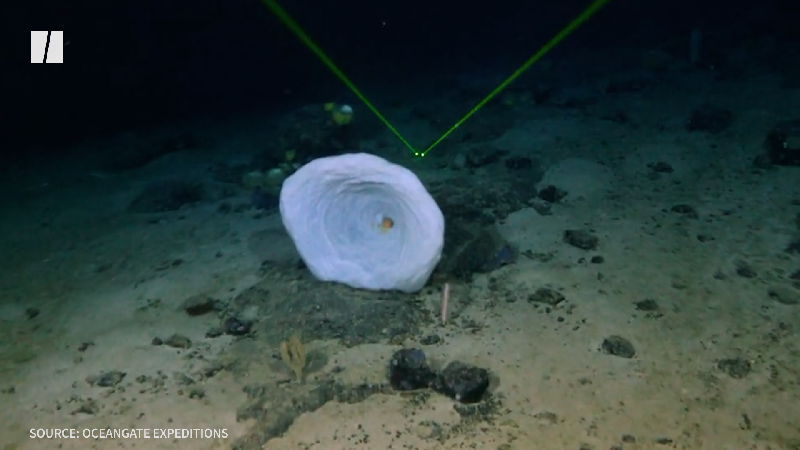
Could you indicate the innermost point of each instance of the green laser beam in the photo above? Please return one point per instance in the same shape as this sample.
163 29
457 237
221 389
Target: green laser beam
566 31
306 39
295 28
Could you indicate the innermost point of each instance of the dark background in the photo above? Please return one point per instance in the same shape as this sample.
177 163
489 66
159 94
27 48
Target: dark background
137 63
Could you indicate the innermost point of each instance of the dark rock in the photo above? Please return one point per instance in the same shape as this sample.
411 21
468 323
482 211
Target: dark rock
648 305
197 305
686 210
85 346
236 327
581 239
197 393
32 313
710 119
618 346
463 382
88 407
705 238
484 252
470 201
409 370
431 339
735 367
744 269
546 296
167 264
212 369
106 379
502 257
546 418
178 341
597 259
784 295
214 332
551 194
782 144
650 308
542 207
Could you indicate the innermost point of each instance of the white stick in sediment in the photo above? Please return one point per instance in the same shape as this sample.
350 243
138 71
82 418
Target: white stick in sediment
445 300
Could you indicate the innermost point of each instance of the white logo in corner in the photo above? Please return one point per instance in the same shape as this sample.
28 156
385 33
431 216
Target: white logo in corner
47 47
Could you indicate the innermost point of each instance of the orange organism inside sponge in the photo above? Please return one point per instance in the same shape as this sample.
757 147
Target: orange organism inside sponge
387 224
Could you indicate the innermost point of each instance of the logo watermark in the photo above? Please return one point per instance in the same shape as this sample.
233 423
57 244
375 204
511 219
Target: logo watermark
47 47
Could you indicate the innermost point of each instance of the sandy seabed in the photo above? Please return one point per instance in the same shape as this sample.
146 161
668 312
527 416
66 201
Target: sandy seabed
87 285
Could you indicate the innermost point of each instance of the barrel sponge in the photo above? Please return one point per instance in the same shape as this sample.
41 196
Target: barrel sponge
360 220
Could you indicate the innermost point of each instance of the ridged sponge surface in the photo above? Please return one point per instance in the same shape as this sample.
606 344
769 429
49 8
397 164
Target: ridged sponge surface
360 220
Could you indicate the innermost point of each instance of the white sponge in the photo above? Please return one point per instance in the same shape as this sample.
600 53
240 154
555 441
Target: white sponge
360 220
